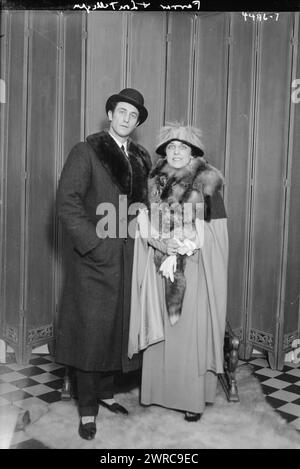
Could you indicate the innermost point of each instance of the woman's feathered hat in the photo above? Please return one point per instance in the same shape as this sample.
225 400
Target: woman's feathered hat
186 134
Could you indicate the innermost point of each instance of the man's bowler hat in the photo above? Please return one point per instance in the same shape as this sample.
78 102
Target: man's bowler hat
131 96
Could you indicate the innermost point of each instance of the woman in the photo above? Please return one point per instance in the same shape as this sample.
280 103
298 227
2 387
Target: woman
180 277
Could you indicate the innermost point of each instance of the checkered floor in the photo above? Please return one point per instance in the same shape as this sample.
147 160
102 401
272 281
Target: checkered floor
40 381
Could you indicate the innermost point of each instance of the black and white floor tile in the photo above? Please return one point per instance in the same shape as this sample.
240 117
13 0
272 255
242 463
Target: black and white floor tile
281 388
22 386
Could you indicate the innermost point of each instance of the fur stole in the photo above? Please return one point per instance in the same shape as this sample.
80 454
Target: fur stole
194 183
169 189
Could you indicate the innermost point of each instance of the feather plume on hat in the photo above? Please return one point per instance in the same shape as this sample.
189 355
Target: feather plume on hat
186 134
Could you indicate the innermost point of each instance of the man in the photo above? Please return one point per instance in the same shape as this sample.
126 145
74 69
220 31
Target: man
93 324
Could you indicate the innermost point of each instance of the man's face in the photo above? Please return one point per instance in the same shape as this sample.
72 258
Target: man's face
124 119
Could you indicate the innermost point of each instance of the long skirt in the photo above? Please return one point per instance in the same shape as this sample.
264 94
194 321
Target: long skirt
175 373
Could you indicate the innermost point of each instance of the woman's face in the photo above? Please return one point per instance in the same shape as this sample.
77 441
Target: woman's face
178 154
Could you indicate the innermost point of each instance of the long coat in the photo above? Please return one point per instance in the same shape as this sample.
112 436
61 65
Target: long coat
93 321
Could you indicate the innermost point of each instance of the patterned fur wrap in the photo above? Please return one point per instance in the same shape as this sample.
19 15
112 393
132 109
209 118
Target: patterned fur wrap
169 189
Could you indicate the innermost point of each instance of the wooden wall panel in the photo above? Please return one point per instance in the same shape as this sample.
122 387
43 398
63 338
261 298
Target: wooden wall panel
146 70
270 166
180 68
210 85
106 64
15 168
3 142
74 66
42 143
292 289
238 162
72 118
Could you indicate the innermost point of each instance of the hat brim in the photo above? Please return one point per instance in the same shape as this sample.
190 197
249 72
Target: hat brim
116 98
161 149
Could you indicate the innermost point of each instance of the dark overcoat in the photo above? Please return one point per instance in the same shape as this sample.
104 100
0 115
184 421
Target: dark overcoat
93 321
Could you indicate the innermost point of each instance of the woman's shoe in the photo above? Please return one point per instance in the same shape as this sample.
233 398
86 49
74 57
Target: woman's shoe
192 417
87 431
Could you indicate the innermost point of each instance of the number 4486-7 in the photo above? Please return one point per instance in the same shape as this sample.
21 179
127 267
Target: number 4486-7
260 16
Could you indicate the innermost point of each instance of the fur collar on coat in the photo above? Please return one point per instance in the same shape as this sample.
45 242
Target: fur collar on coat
129 174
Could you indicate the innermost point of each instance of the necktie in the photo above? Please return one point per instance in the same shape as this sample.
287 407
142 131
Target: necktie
123 150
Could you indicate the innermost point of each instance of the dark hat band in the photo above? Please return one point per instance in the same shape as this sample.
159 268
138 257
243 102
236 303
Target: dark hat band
161 150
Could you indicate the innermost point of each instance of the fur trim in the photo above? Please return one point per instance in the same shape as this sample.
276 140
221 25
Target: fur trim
174 291
198 175
141 165
129 174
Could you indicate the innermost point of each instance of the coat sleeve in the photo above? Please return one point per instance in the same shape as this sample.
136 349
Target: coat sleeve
73 185
157 244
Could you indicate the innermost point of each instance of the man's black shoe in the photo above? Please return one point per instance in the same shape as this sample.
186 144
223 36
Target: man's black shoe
115 407
192 417
87 431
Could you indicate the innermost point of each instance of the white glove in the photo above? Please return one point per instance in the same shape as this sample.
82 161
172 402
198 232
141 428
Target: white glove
168 267
187 247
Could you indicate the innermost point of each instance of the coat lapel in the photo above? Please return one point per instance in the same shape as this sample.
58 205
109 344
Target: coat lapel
113 160
129 174
140 163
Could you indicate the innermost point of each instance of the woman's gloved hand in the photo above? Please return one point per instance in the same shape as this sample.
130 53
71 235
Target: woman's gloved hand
168 267
175 246
187 247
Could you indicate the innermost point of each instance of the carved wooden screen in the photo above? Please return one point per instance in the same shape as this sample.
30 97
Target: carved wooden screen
42 120
231 77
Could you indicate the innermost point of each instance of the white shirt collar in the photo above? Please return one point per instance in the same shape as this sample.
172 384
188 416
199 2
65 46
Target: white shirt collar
119 143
